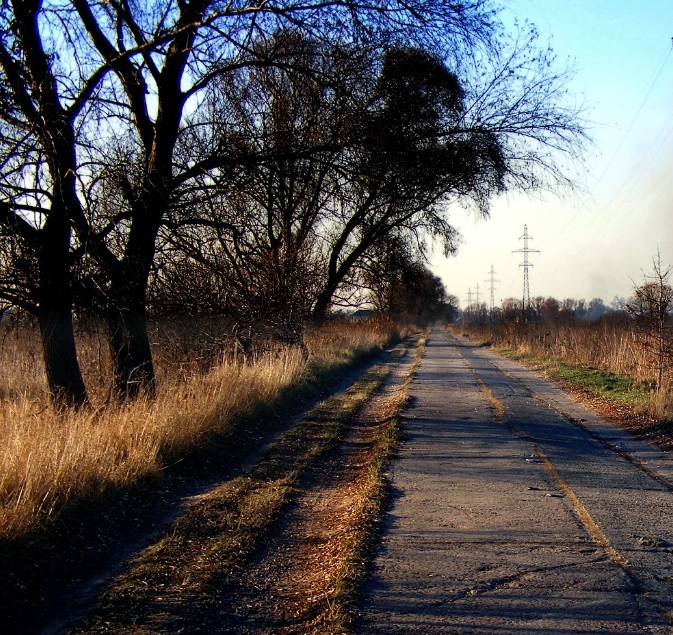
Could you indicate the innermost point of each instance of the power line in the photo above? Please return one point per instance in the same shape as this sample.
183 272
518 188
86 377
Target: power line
616 206
526 264
655 79
583 204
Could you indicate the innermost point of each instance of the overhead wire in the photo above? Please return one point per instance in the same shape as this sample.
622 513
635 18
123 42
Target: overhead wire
655 79
606 214
652 152
582 205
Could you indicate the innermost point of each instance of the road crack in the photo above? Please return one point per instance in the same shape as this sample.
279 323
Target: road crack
589 524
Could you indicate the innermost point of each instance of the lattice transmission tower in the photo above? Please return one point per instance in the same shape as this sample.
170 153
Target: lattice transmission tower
526 264
491 281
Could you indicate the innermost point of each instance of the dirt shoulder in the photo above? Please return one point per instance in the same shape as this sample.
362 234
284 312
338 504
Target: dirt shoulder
305 577
279 548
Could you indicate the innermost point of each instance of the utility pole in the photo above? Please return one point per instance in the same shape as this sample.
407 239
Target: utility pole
525 304
468 309
491 280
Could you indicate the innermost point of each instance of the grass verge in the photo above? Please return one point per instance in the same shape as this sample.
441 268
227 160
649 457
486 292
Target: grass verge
622 400
620 390
76 490
181 578
606 359
49 459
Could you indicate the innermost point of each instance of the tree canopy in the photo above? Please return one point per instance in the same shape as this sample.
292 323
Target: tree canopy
269 145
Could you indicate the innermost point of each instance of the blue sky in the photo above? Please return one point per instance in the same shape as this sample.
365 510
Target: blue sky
595 243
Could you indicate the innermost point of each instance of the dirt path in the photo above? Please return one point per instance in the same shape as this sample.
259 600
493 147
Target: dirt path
276 549
519 511
289 588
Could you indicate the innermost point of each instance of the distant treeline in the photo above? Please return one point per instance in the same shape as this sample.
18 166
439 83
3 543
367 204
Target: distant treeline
545 310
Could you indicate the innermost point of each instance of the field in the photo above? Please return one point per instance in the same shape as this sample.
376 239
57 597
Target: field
206 391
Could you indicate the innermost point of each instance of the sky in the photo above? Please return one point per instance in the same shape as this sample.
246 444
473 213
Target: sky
597 242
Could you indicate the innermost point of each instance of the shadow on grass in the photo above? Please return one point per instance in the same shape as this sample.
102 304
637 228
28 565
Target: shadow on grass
50 576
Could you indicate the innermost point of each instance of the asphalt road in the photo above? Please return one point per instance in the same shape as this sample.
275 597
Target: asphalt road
517 511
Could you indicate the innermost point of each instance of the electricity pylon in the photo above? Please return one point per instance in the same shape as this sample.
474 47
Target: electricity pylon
491 280
525 304
468 309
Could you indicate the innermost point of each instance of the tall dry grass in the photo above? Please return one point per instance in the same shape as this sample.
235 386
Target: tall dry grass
48 459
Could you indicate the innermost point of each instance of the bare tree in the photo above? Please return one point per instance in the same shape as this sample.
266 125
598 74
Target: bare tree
39 108
341 150
521 96
287 123
164 57
91 171
344 146
651 308
511 310
407 165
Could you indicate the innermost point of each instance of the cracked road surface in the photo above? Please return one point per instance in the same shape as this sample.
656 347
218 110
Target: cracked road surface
517 511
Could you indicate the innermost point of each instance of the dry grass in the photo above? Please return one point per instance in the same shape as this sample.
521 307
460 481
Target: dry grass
48 459
208 547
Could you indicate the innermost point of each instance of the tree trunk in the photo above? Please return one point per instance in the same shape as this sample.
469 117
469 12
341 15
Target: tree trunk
335 275
132 365
64 378
133 369
322 303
